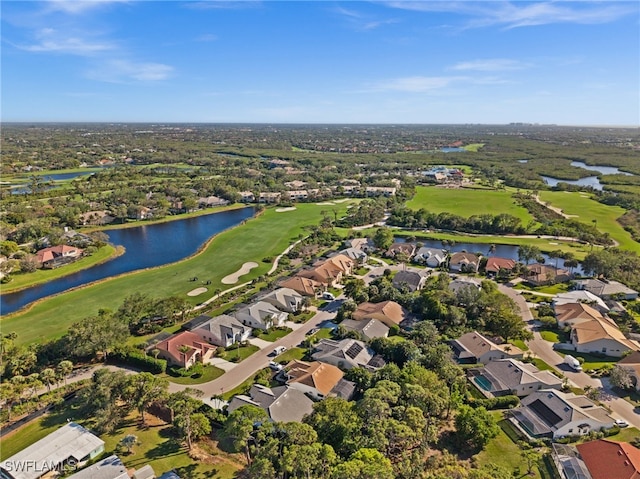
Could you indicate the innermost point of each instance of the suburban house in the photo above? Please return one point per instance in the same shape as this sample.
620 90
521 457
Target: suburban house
343 262
367 328
304 286
282 403
632 364
464 262
606 459
223 330
269 197
495 264
346 354
247 196
601 336
432 257
108 468
412 280
69 444
211 201
316 379
405 248
185 349
296 195
387 312
464 282
285 299
261 315
329 272
607 288
380 191
581 296
472 348
555 414
355 254
541 274
98 217
570 314
363 244
56 256
509 376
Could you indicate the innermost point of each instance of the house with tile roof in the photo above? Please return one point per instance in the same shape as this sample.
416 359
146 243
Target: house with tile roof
471 348
464 262
541 274
366 328
223 330
282 403
304 286
261 315
570 314
510 376
387 312
56 256
346 354
406 248
185 349
356 254
556 414
329 272
495 264
600 336
285 299
606 459
316 379
632 364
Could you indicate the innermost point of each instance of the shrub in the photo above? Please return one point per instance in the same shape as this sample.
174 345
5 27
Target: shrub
139 360
501 402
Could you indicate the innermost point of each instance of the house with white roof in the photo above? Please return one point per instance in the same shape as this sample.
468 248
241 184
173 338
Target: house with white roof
432 257
581 296
607 288
261 315
223 330
285 299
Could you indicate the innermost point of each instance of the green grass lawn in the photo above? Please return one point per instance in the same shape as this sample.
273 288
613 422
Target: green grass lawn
590 361
467 202
323 333
541 365
550 336
473 147
626 434
209 373
274 334
587 210
291 354
240 353
264 236
519 343
547 289
502 451
26 280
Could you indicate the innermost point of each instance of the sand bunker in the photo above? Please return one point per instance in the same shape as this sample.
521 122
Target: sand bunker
342 200
197 291
282 210
325 203
234 277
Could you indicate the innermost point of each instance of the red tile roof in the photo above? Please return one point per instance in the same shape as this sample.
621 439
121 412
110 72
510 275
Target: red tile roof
192 341
494 264
607 459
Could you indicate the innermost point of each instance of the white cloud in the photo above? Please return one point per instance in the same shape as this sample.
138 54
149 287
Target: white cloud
521 14
207 37
70 45
415 84
122 71
75 7
360 21
490 65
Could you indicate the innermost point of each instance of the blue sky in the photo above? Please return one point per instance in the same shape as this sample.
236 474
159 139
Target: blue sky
563 62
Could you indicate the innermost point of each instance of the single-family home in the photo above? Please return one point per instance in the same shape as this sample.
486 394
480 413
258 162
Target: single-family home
387 312
269 197
601 336
607 288
367 328
211 201
570 314
285 299
223 330
282 403
380 191
185 349
261 315
555 414
412 280
346 354
304 286
541 274
70 444
330 271
404 248
464 282
296 195
473 348
317 379
631 363
510 376
495 265
607 459
247 196
344 262
432 257
464 262
59 255
108 468
356 254
98 218
581 296
363 244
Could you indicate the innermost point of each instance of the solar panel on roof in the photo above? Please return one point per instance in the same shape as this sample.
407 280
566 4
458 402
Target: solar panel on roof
544 412
354 350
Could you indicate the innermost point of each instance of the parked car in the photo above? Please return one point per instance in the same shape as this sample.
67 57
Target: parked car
572 362
275 366
279 350
329 296
621 423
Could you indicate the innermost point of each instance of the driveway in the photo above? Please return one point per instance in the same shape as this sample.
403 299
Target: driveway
544 350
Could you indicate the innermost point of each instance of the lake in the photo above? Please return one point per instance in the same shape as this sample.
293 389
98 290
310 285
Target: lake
591 181
146 246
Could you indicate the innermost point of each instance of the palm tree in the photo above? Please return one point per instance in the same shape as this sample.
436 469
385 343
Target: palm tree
48 377
63 369
129 441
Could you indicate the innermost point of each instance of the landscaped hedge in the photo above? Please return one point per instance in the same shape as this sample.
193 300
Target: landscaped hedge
139 360
501 402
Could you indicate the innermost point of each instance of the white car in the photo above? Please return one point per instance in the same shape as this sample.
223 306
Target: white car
275 366
621 423
329 296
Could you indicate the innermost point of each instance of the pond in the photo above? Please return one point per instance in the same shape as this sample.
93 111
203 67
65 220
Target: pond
604 170
24 189
590 181
451 149
146 246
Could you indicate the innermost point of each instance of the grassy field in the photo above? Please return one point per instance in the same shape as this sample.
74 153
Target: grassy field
209 373
264 236
22 281
590 361
467 202
587 211
241 353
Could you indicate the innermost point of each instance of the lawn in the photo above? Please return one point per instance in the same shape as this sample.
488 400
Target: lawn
547 289
519 343
274 334
239 354
502 451
209 373
473 147
590 361
626 434
541 365
291 354
550 336
467 202
587 211
264 236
